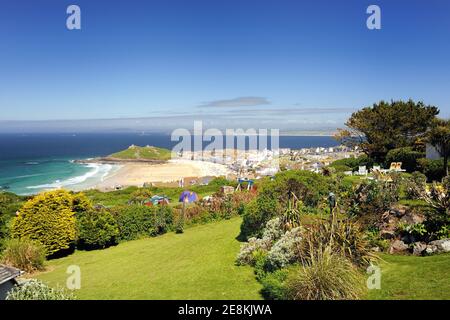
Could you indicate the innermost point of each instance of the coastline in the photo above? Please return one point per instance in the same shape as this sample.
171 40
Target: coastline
139 173
85 165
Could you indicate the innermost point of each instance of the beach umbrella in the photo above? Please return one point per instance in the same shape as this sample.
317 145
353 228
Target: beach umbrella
188 196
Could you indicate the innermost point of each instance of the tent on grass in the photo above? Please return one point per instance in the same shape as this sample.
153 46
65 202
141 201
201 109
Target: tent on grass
155 200
188 196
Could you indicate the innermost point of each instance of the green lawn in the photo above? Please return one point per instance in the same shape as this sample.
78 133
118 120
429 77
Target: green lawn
410 277
198 264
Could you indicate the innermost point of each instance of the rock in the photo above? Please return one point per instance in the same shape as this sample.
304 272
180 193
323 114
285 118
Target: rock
430 249
412 218
398 246
419 248
440 246
375 249
387 234
398 211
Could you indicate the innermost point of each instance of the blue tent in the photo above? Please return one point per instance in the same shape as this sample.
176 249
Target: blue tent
188 196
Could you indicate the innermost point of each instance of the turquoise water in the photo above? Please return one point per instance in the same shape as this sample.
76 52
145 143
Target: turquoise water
30 163
33 176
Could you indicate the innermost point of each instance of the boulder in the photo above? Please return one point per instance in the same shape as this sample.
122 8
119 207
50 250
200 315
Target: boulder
398 246
430 249
419 248
439 246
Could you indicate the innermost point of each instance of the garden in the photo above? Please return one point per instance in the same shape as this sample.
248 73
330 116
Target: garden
297 235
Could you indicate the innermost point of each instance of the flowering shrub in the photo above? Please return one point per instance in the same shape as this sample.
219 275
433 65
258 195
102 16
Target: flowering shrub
273 230
285 250
251 249
37 290
438 196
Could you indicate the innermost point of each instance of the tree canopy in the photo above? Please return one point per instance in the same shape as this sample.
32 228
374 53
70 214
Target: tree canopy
387 125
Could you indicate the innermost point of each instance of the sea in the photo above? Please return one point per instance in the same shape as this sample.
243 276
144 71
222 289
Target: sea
30 163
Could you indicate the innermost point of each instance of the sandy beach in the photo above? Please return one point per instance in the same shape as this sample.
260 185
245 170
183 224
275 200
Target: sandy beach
136 174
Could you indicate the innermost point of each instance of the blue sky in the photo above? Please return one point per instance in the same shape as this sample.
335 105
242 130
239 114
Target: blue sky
294 65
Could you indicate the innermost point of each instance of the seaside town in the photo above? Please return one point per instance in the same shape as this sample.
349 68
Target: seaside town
199 167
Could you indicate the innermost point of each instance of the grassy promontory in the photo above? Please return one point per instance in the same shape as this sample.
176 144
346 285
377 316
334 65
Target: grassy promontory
142 153
134 154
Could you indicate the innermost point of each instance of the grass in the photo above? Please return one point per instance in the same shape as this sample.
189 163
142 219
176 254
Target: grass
411 277
198 264
121 197
147 153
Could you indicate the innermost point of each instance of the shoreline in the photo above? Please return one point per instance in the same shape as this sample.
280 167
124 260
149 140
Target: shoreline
107 173
172 171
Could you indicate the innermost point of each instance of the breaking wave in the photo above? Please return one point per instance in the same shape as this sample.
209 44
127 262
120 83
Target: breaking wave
97 173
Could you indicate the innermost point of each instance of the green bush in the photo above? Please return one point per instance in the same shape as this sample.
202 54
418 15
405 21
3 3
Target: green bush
273 284
325 276
137 221
374 239
340 167
50 219
140 196
37 290
96 229
81 203
256 214
9 205
415 185
179 223
352 163
433 169
407 156
372 198
308 187
163 219
25 255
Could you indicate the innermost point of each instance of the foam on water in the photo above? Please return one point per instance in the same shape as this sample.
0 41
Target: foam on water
97 173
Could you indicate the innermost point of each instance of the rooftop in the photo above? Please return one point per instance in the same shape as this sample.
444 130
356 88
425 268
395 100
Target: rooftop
8 273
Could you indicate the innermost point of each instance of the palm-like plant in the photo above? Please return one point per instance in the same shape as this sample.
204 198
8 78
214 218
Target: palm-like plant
291 216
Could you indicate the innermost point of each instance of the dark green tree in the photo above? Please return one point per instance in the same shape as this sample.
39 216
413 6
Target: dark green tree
386 126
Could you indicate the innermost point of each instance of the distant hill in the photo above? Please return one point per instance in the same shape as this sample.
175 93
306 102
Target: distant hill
142 153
